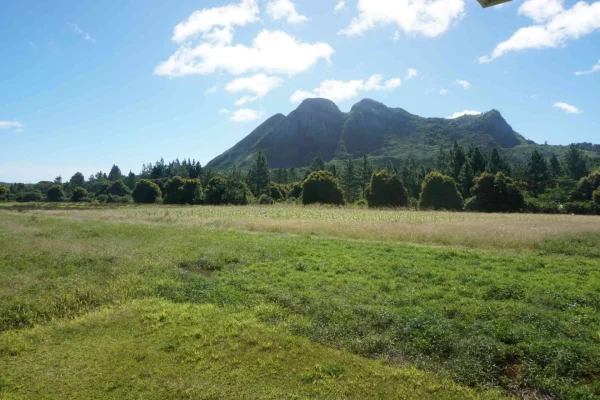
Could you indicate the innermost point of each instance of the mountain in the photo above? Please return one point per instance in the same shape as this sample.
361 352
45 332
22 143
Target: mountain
318 128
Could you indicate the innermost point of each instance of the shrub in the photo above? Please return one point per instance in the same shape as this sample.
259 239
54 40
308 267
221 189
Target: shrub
295 190
495 193
264 199
386 190
221 191
79 194
55 194
4 193
440 193
581 208
117 188
586 186
322 187
276 191
146 192
26 197
596 196
109 198
183 191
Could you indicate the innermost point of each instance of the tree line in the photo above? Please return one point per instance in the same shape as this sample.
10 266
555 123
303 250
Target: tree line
463 178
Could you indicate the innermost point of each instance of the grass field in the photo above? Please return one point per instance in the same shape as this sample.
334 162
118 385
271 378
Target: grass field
293 302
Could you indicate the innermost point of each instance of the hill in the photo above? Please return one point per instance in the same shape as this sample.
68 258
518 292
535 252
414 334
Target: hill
318 128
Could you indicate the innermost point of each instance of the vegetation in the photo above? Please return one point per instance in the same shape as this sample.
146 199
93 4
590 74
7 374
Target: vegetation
518 313
495 193
439 192
4 193
146 192
55 193
386 190
322 187
79 194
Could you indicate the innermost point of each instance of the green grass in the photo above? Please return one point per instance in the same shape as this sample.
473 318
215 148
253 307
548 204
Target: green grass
77 284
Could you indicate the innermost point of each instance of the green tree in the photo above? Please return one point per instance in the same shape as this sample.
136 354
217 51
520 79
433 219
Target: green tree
365 172
130 180
555 167
116 188
495 193
58 180
457 159
477 160
575 162
55 194
146 192
115 174
350 181
25 197
497 164
322 187
537 173
411 178
586 186
466 179
596 196
4 193
386 190
317 164
439 192
79 194
77 180
258 176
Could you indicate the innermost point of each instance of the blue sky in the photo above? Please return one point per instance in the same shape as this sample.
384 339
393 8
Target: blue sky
85 84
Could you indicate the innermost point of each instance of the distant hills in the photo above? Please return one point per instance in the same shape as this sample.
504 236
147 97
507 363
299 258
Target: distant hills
318 128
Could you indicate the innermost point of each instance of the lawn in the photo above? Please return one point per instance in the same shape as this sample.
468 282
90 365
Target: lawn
294 302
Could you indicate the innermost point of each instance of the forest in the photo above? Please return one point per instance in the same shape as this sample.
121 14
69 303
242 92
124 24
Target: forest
463 178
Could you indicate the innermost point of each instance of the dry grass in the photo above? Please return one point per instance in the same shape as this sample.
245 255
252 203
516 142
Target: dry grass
476 230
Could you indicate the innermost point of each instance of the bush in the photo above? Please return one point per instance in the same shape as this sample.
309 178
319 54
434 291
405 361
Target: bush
79 194
495 193
386 190
439 192
596 196
117 188
4 193
55 194
146 192
264 199
26 197
322 187
221 191
581 208
276 191
295 190
586 186
109 198
183 191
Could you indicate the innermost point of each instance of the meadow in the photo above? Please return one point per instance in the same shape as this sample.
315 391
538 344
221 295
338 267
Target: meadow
297 302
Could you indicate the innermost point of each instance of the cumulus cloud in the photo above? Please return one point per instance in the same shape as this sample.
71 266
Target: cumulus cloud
224 111
555 26
412 73
274 52
465 84
211 90
430 18
568 108
16 125
284 9
259 85
340 6
338 91
81 32
209 20
245 115
463 113
443 92
595 68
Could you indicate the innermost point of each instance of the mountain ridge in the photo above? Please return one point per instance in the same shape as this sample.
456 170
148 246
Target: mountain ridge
317 127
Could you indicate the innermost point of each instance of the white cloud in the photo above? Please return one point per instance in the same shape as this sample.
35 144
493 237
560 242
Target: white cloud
208 20
81 32
541 10
274 52
559 27
465 84
340 6
443 92
12 125
595 68
245 115
396 36
338 91
211 90
33 46
284 9
224 111
412 73
568 108
259 84
427 17
463 113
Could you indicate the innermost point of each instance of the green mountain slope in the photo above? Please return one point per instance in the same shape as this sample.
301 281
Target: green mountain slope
318 128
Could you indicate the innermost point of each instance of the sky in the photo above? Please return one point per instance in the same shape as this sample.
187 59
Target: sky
88 84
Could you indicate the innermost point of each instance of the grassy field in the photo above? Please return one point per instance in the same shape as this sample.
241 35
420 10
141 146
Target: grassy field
293 302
